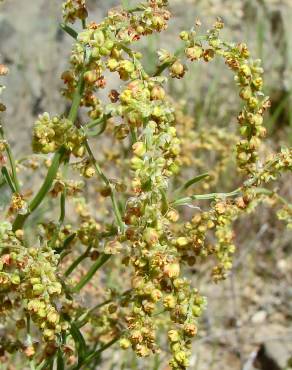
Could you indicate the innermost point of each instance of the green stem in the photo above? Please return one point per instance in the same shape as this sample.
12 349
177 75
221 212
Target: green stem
46 364
62 207
97 121
96 266
95 354
61 218
107 183
74 264
161 69
82 320
77 99
165 65
212 196
103 124
13 169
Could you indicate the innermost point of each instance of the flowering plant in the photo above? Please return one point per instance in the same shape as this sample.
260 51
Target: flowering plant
141 228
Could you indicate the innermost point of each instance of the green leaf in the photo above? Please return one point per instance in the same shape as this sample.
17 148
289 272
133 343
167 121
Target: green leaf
69 30
67 241
194 181
45 188
8 179
79 341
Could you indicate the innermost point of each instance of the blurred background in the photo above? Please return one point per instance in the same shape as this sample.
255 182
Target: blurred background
248 321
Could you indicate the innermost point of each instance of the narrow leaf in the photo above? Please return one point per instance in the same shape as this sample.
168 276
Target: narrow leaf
79 341
8 179
69 30
194 181
60 361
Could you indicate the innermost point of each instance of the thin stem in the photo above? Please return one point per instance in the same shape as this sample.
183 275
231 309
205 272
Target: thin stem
46 364
96 354
97 121
81 321
103 124
61 218
75 263
62 207
77 99
107 183
165 65
161 69
212 196
96 266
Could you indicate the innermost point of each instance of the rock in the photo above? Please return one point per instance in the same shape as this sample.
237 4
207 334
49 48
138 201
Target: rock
259 317
273 355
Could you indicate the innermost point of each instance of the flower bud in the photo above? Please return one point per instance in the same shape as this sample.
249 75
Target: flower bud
182 241
112 64
38 289
53 317
139 148
113 247
157 93
156 295
190 329
150 236
15 279
181 358
136 163
172 215
169 301
177 70
172 270
99 37
184 35
90 76
124 343
173 336
194 53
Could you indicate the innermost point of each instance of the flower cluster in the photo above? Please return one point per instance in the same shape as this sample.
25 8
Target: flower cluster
248 76
30 274
73 10
154 257
50 134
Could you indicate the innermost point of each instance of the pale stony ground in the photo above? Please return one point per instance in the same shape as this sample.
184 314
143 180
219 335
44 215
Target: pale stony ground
249 316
